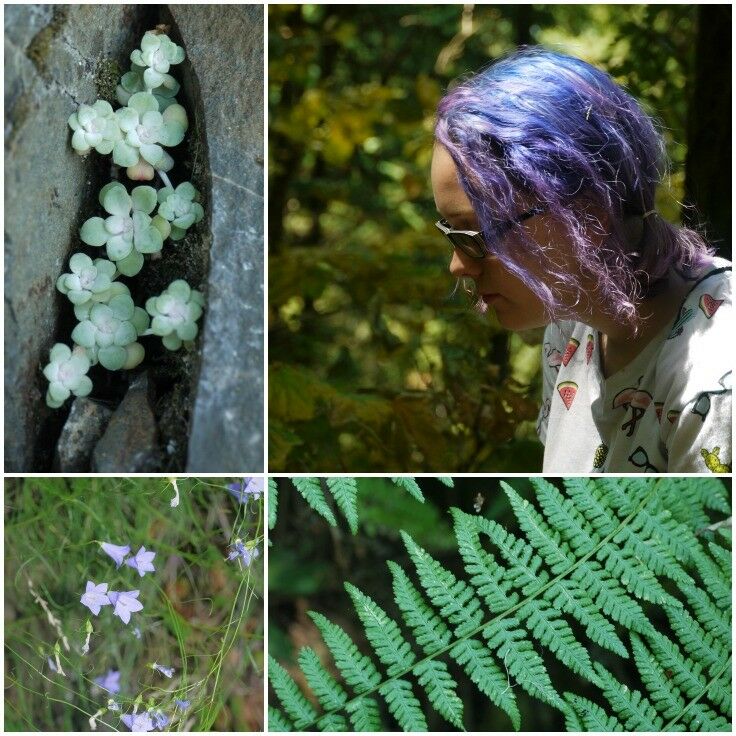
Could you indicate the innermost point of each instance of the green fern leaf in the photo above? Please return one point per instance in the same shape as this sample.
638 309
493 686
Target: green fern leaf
449 482
546 624
650 548
592 716
311 491
333 723
716 583
273 502
479 665
403 705
441 689
526 572
697 642
295 704
330 694
666 695
277 721
357 670
429 629
382 632
686 673
345 493
715 620
636 712
622 565
364 715
432 635
521 659
602 588
410 485
455 599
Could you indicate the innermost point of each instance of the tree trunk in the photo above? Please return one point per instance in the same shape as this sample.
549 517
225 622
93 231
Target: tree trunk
708 162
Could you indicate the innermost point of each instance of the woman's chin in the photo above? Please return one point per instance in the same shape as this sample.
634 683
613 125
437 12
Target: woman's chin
512 317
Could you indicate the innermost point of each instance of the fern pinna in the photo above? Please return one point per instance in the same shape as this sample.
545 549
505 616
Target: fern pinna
344 493
593 564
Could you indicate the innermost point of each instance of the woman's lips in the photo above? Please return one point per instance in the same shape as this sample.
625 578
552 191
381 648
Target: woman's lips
490 298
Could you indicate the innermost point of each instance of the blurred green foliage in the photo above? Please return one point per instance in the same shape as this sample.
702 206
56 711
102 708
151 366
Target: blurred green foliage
201 614
373 364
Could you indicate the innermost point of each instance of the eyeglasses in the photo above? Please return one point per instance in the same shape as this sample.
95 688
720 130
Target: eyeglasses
472 243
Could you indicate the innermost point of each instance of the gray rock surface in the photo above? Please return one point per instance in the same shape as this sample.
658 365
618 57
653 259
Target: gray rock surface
130 442
52 56
83 429
224 44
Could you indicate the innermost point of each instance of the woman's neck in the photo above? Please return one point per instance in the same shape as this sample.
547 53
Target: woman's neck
619 344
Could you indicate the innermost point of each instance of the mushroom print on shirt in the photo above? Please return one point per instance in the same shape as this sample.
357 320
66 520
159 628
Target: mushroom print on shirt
669 410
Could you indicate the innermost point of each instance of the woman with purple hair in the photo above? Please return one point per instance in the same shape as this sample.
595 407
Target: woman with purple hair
544 172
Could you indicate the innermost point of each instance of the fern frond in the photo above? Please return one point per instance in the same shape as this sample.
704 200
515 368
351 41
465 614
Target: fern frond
446 480
493 584
665 692
715 620
277 722
311 491
597 552
591 716
697 642
403 705
273 502
479 665
521 659
364 714
717 584
294 703
329 692
409 485
441 689
382 632
526 572
636 712
357 669
345 492
648 547
621 564
604 589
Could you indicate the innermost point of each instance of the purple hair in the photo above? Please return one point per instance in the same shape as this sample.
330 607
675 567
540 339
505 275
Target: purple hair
564 135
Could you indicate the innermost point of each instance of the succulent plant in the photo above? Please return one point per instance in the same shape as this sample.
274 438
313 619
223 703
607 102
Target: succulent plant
130 231
116 288
175 313
132 82
95 126
87 279
66 374
145 130
180 207
156 54
109 329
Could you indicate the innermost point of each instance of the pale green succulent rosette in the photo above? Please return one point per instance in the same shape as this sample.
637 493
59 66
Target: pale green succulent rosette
175 313
156 55
180 207
88 279
132 82
66 374
109 329
130 231
95 126
81 311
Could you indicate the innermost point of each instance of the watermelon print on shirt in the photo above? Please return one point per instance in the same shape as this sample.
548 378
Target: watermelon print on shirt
669 410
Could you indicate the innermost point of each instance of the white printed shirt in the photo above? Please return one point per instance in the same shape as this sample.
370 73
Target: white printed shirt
668 411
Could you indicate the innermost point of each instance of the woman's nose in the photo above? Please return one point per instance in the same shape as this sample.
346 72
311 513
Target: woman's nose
463 265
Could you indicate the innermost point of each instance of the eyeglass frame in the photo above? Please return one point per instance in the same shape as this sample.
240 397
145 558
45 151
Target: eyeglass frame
477 237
